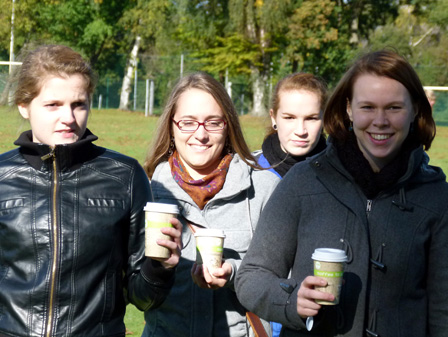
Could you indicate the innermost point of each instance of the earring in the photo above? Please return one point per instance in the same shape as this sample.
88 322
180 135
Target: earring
228 147
350 127
274 126
172 147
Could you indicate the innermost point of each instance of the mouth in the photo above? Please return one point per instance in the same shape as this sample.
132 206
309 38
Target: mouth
199 147
66 132
301 143
380 136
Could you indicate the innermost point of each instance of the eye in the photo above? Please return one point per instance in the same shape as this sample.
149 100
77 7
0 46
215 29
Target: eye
395 107
215 123
187 123
313 118
366 107
79 105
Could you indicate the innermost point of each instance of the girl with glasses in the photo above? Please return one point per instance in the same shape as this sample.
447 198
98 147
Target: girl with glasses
200 161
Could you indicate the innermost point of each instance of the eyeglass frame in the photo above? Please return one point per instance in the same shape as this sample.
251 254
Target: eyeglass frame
199 124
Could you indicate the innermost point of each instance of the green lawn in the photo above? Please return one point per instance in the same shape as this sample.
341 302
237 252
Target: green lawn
130 133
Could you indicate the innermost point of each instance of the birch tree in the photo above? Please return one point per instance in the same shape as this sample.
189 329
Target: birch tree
129 75
261 22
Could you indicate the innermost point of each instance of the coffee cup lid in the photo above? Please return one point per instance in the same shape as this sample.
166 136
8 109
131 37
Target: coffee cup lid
210 232
329 255
161 208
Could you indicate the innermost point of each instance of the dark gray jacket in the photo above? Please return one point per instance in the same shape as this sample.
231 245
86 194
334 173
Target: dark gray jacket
396 278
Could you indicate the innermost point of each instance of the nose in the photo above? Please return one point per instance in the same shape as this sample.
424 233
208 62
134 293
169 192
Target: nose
201 133
300 129
67 115
380 119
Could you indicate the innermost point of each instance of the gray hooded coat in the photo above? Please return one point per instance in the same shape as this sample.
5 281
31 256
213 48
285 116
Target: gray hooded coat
396 279
190 311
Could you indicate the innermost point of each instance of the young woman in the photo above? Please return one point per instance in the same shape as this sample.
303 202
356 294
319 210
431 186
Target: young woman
371 193
201 163
71 214
296 134
296 115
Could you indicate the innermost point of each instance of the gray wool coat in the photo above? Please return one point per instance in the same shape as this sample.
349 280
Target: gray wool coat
396 279
190 311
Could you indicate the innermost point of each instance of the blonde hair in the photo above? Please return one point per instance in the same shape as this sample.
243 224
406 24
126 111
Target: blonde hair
160 147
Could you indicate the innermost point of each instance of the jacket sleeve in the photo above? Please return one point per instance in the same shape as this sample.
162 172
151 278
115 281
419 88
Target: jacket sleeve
262 283
437 279
148 282
263 184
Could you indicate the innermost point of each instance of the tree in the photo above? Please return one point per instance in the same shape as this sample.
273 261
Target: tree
261 23
419 33
147 23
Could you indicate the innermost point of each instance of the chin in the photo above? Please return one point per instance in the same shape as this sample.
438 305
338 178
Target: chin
299 153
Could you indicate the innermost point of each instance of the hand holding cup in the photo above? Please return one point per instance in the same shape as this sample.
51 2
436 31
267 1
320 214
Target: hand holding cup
163 233
204 279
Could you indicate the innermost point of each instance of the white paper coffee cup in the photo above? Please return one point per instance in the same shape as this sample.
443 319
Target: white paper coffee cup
209 248
329 265
157 216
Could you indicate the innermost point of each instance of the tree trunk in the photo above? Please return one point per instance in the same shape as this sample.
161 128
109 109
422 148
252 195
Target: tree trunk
127 79
258 93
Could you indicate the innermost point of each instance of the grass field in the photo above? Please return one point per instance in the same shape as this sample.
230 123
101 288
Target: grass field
130 133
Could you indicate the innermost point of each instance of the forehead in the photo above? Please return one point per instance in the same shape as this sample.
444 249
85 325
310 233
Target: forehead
54 85
196 103
369 86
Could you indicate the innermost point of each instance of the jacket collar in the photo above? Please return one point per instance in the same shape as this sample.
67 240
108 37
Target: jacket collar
68 156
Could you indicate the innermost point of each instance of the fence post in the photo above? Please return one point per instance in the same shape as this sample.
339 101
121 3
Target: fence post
151 97
135 89
100 100
181 65
147 98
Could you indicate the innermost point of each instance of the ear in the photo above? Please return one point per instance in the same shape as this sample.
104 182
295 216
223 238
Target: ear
349 110
271 113
23 109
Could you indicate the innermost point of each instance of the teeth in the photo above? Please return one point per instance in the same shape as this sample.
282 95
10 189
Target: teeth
379 136
202 147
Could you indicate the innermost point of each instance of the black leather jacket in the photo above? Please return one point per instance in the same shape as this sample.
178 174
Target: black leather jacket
72 240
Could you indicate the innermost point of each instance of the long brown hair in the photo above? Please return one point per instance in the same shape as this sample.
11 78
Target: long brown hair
160 147
385 63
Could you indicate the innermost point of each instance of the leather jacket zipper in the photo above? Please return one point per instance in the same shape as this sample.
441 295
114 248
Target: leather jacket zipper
54 226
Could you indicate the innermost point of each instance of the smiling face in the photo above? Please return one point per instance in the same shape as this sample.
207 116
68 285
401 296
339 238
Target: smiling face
59 113
298 120
381 111
200 151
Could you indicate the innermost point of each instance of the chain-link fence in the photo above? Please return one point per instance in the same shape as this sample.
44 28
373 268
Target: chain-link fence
107 94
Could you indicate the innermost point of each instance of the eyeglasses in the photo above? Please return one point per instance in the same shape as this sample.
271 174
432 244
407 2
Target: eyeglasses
212 125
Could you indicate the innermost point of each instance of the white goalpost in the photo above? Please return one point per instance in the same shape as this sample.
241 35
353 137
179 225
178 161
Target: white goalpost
440 107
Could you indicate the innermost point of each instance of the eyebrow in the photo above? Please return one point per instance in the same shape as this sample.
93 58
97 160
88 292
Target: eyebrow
207 118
